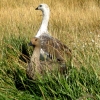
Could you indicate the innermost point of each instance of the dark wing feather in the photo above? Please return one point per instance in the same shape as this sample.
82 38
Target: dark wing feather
54 47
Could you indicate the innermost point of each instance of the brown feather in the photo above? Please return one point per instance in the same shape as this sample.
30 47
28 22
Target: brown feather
54 47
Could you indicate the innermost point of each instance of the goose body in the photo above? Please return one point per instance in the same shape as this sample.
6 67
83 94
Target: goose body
50 44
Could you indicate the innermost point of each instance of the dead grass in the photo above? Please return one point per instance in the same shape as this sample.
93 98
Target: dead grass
74 22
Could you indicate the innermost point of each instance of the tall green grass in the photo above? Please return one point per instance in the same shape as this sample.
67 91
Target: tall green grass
76 23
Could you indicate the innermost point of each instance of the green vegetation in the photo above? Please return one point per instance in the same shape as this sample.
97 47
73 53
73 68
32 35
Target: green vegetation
76 23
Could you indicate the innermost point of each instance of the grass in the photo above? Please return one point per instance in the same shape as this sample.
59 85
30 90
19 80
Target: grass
76 23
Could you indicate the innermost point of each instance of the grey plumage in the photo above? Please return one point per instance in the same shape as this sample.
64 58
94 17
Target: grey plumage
54 48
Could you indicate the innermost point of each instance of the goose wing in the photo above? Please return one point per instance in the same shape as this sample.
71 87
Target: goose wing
54 47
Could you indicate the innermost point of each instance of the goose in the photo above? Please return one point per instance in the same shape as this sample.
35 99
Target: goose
37 67
50 44
34 65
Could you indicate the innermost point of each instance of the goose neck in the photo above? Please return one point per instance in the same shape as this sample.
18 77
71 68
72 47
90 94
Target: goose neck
44 24
36 54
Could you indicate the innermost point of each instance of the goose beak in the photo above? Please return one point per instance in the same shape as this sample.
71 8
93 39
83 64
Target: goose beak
30 44
36 8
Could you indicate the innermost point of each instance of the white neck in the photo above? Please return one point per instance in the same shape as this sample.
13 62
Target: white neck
44 24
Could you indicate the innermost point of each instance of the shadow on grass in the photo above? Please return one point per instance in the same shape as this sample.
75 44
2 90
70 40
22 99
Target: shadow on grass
24 53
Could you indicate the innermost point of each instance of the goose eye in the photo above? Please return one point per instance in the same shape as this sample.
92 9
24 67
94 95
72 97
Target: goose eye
35 39
40 5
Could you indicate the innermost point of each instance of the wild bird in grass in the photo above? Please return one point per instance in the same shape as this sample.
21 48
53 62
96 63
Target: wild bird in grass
50 46
34 66
37 67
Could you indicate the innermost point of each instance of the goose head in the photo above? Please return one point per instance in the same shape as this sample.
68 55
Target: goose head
35 42
44 8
